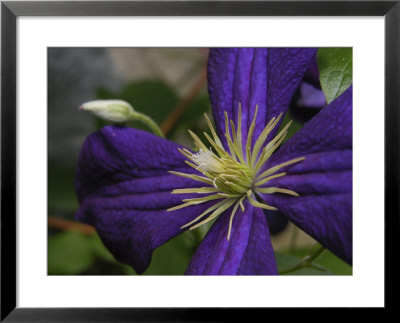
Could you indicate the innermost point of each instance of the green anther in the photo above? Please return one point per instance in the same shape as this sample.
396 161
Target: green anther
207 198
215 136
210 209
267 152
239 130
193 176
263 181
197 140
271 190
185 152
249 137
261 205
236 187
278 167
201 190
227 203
218 149
231 146
263 136
233 174
233 214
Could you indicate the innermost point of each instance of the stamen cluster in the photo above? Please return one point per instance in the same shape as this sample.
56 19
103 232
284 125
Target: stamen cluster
233 175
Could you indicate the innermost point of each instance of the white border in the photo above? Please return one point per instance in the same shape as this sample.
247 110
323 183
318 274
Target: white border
364 288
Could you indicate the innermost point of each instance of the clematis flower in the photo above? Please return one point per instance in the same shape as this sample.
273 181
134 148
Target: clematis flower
140 190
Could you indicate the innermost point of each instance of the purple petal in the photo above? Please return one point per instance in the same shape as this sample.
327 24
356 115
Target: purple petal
310 97
312 73
264 76
124 190
248 252
277 222
323 179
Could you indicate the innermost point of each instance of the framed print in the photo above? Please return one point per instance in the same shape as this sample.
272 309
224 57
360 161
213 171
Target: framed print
112 209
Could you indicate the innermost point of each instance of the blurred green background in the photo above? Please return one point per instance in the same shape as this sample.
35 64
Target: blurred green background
169 85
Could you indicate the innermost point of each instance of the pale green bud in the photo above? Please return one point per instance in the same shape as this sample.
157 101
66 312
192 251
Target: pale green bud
118 111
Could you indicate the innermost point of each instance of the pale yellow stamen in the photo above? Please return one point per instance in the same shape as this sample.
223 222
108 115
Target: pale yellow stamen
233 214
233 175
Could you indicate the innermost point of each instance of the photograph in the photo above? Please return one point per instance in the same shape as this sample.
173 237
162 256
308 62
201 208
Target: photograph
200 161
170 161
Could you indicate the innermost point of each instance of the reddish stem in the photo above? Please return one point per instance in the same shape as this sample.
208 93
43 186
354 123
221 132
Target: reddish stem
63 224
177 112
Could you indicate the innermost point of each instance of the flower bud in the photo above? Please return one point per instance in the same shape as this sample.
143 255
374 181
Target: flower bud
118 111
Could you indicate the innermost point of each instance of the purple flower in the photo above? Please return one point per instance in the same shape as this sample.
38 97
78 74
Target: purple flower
125 176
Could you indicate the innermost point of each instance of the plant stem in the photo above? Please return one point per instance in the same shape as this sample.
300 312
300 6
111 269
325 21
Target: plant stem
148 121
63 224
306 261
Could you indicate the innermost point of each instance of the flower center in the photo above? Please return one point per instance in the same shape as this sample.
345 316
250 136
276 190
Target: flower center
227 174
236 174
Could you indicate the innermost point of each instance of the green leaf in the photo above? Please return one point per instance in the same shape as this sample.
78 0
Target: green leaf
73 253
336 265
335 67
311 272
287 261
329 261
69 253
100 250
172 258
61 194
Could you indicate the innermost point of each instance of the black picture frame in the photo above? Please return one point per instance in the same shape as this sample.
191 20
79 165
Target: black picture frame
11 10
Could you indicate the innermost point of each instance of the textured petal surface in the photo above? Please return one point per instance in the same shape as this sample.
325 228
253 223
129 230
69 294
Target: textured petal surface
267 77
323 179
124 189
312 73
248 252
